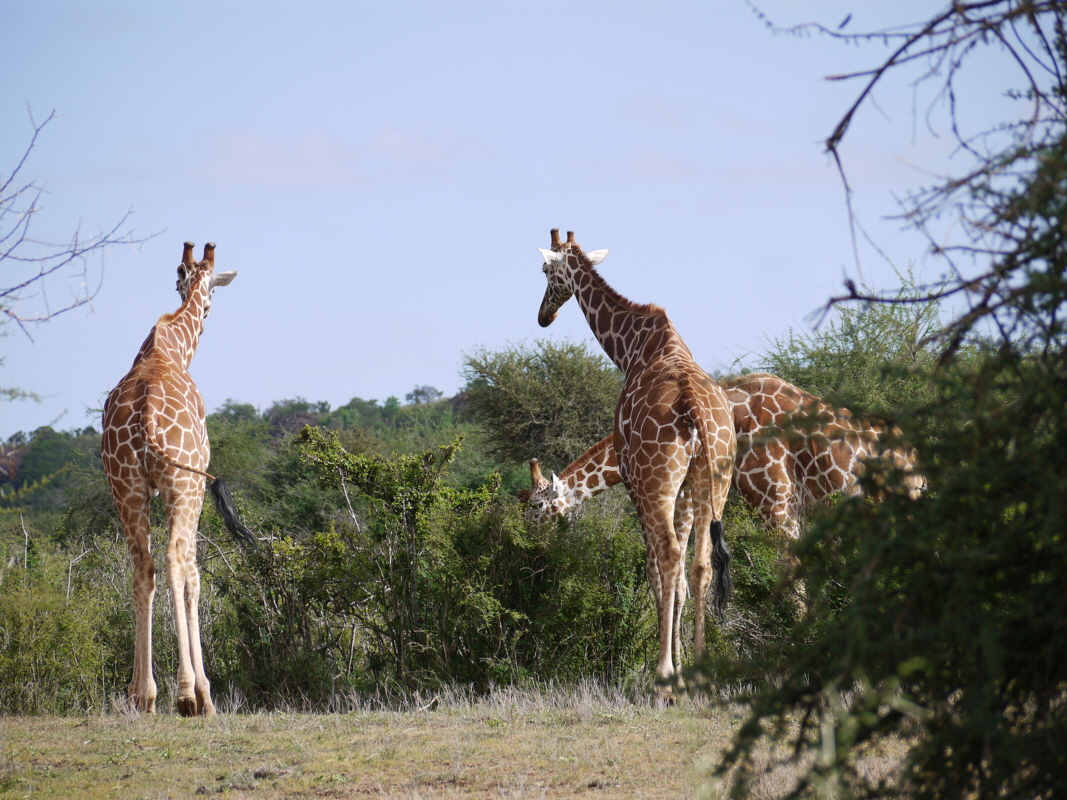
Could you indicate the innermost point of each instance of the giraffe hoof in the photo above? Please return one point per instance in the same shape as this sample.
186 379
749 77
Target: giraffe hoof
187 707
141 704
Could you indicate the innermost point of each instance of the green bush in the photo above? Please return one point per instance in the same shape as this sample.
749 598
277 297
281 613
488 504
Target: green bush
550 401
52 658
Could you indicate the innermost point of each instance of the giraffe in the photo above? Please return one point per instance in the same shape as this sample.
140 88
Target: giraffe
155 443
673 440
793 451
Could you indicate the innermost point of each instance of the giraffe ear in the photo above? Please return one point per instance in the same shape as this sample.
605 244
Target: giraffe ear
550 256
557 486
223 278
596 256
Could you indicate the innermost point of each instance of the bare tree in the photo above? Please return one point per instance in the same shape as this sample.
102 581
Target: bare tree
996 234
29 265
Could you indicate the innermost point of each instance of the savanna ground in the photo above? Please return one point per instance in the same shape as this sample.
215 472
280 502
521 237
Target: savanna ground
500 747
509 744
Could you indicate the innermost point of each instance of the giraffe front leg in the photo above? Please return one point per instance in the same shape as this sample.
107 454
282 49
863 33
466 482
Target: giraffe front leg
184 513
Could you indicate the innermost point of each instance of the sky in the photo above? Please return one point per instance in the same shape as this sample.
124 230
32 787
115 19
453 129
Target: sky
380 175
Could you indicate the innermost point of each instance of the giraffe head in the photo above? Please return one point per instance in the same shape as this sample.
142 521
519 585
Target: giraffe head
562 263
190 272
546 500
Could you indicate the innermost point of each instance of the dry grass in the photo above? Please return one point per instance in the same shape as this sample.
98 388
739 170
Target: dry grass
512 744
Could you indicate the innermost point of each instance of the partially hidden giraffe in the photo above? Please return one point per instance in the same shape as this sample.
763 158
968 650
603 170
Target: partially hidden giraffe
155 443
793 451
673 441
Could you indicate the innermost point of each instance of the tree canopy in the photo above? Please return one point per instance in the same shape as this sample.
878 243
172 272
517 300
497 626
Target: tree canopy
939 623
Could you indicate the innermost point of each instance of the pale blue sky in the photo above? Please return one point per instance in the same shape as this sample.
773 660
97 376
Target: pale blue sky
380 174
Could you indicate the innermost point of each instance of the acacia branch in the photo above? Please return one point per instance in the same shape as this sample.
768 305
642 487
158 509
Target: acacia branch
27 265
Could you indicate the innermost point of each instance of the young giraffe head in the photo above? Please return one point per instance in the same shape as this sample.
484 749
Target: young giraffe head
189 271
546 500
562 263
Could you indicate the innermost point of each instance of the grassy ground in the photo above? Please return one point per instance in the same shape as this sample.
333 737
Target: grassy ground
510 745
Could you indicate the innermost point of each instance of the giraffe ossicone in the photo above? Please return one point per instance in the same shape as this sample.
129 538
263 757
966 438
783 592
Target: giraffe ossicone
155 443
673 440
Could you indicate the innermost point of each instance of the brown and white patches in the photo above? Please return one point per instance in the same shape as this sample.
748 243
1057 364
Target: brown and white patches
793 451
155 443
673 437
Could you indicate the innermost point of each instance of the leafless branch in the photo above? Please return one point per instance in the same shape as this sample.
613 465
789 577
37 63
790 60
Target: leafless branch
28 265
998 239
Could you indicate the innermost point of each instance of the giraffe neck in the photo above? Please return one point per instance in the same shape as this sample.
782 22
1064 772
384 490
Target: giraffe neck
623 328
176 336
594 471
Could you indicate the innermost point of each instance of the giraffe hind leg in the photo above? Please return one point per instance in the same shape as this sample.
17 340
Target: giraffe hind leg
184 502
142 690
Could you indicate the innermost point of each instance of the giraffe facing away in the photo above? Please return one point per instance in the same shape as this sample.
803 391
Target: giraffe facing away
155 443
673 441
793 451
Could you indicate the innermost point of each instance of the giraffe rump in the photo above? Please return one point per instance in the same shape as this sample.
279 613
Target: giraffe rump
227 509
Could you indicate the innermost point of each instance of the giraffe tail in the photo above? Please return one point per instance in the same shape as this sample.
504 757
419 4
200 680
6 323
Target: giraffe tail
227 509
720 560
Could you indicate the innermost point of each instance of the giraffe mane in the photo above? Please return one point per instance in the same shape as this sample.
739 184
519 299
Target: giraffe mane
644 309
593 455
571 246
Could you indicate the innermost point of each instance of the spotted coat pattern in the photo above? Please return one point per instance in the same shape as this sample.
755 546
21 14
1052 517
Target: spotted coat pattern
673 439
155 443
793 451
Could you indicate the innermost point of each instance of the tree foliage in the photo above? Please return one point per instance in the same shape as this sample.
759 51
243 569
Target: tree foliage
547 400
871 357
940 622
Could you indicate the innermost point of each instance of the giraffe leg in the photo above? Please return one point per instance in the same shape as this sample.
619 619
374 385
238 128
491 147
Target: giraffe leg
663 565
700 577
183 511
683 525
202 687
711 489
780 511
133 512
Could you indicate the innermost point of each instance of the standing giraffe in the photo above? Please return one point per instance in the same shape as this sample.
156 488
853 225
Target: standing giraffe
793 451
155 443
673 440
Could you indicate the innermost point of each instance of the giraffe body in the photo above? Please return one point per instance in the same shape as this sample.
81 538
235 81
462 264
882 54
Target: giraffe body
673 440
793 451
155 443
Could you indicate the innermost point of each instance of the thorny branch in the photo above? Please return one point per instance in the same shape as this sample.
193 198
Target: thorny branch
27 263
1031 33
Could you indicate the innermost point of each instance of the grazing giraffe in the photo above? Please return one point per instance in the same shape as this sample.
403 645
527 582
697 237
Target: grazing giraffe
673 440
155 442
793 451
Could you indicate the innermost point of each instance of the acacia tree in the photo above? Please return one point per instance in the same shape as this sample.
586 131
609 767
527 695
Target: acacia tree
940 623
28 265
546 400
